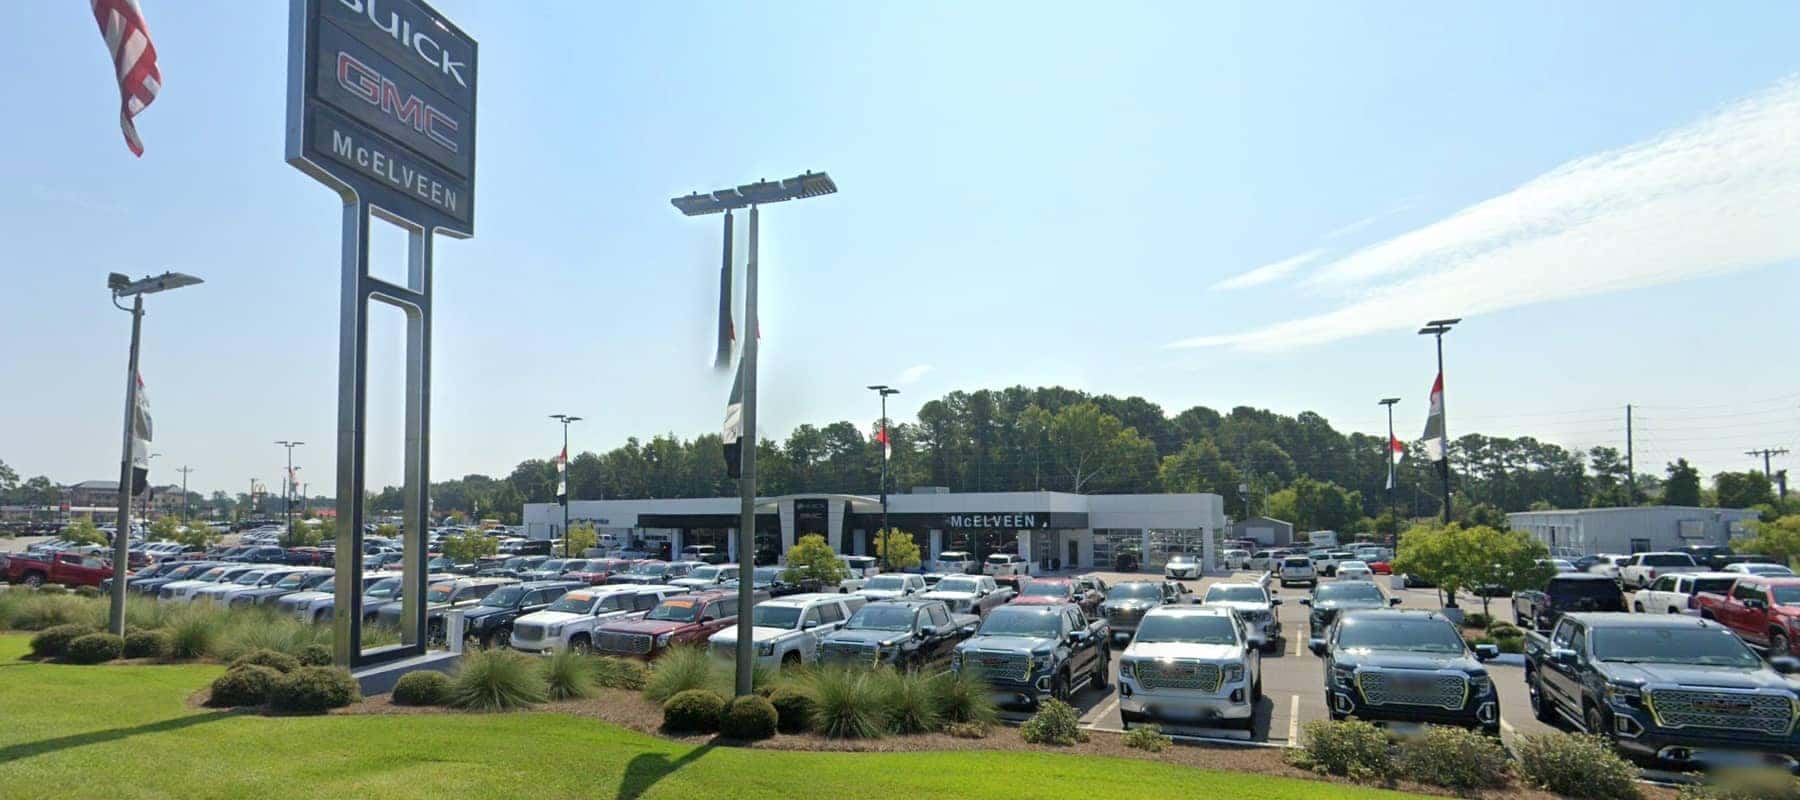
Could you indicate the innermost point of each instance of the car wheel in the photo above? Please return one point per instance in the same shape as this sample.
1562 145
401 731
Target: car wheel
1101 669
581 644
1595 720
1637 607
1540 705
1059 688
1778 644
791 660
34 580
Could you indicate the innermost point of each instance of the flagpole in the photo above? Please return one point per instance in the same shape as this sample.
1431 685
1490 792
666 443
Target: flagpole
122 536
1392 463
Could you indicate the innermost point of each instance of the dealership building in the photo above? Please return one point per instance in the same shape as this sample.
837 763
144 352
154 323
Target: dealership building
1049 529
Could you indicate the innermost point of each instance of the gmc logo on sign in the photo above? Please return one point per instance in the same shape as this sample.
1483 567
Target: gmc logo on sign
364 82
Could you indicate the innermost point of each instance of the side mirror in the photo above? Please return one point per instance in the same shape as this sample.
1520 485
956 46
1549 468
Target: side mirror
1306 601
1563 656
1274 601
1317 646
1076 637
1786 665
809 624
1487 651
1393 601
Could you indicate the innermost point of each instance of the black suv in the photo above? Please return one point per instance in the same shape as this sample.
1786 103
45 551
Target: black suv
490 623
1667 688
906 633
1030 653
1407 666
1573 591
1329 600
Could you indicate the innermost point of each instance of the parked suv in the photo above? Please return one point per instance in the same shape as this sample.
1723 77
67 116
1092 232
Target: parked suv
911 633
969 594
786 631
1254 605
1680 691
1572 591
1029 654
440 597
570 621
1332 599
1646 567
682 619
1294 570
1679 594
1193 665
956 562
303 579
1128 602
1407 666
490 622
1004 564
891 585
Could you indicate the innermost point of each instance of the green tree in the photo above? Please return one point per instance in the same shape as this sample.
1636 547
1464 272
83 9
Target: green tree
581 537
1090 444
812 559
466 547
1683 485
1200 467
896 549
194 534
9 482
304 533
1779 539
1323 505
1428 552
1285 506
1486 557
164 528
83 531
1742 489
1482 515
1608 488
387 530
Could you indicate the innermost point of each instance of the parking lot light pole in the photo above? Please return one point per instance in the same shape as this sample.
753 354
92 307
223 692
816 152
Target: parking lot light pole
751 196
887 552
1387 449
565 419
1437 328
122 286
287 489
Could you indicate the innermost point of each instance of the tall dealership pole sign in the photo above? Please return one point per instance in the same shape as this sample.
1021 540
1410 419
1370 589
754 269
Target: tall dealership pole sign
381 108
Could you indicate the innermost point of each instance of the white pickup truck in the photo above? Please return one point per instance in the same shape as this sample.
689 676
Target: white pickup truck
1644 568
570 621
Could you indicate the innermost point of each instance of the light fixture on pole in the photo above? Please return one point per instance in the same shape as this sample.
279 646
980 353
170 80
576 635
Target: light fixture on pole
886 450
751 196
122 286
562 477
1436 425
287 489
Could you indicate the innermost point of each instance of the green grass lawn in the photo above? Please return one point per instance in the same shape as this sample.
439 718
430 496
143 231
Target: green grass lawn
117 732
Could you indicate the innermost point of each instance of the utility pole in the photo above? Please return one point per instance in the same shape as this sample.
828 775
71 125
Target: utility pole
287 488
1630 462
1766 453
185 469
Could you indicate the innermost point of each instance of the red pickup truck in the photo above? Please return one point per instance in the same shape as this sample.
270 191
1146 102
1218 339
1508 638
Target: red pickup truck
1763 611
682 619
67 569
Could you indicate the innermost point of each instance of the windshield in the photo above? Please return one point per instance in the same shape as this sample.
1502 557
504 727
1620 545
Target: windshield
294 580
438 594
553 565
1135 591
675 611
1341 593
775 617
183 572
1674 645
707 573
765 574
1602 590
1235 594
1046 589
1296 561
504 597
384 588
1423 636
969 585
1352 566
953 555
212 574
574 603
1037 624
886 583
998 559
1786 595
654 570
1195 628
882 618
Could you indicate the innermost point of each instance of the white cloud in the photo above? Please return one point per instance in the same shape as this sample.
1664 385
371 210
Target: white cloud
913 374
1268 272
1717 196
1367 221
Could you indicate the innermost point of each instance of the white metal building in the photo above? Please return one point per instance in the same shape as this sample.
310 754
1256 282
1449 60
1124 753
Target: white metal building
1049 529
1634 529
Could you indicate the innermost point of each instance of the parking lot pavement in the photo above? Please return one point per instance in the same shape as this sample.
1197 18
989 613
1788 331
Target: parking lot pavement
17 544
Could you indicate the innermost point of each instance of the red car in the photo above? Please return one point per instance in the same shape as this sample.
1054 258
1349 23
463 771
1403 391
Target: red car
596 570
68 569
682 619
1381 568
1764 611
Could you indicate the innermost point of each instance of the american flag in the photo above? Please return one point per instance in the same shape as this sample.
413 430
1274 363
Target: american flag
128 39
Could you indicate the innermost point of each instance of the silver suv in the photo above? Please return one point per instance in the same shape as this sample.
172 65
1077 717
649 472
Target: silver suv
1254 604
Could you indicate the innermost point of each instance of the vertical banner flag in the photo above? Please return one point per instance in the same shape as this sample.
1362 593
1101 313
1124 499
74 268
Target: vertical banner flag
140 441
727 329
562 476
1436 447
134 59
734 426
1396 451
887 445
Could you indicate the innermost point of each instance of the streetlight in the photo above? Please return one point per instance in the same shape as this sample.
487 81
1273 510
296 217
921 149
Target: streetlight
1437 328
562 494
887 549
1388 450
122 286
287 488
751 196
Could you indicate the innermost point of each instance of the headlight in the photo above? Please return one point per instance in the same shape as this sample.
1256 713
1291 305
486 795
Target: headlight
1480 684
1621 694
556 630
1128 669
1234 673
765 648
1043 662
662 640
956 660
1342 677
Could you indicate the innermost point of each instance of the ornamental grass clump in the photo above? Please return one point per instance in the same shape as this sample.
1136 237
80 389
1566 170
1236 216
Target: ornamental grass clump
497 680
680 669
568 676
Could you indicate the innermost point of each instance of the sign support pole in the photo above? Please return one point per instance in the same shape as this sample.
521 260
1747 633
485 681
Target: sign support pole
747 483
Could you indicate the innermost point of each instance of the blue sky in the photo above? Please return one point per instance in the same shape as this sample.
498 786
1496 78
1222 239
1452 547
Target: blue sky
1194 202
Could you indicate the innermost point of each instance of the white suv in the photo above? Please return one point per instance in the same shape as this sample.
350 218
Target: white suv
1646 567
1297 570
1004 564
955 562
570 621
892 585
787 630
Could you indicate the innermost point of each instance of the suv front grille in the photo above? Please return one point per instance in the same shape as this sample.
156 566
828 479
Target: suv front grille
528 631
1769 714
1011 667
842 652
1413 688
1188 675
628 643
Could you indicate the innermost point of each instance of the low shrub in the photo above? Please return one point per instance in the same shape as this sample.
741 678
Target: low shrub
910 702
693 711
1455 758
793 709
147 644
1511 644
248 685
750 718
620 673
315 655
1147 737
1572 765
1744 784
53 589
314 689
1476 619
30 611
87 591
567 675
54 642
969 730
280 662
963 697
497 680
1505 630
1354 749
1055 723
679 670
422 688
847 704
95 648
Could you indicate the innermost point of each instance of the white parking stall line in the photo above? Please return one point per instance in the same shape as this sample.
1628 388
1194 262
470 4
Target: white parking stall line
1293 737
1299 644
1104 709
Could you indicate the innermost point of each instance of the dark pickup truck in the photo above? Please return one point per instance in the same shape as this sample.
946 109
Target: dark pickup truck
1667 689
1030 653
906 633
1571 591
1407 666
